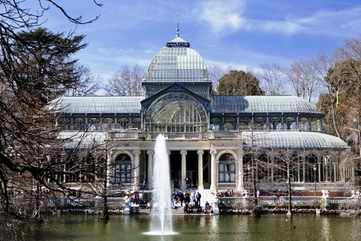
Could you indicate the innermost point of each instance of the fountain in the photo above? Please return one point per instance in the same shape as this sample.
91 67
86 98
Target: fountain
161 213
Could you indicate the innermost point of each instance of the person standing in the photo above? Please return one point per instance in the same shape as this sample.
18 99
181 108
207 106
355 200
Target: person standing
181 198
198 198
187 182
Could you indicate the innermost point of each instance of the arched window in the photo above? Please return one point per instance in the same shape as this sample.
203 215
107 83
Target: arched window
230 123
291 123
216 122
107 123
247 168
276 123
228 126
244 123
315 124
123 123
260 123
122 173
227 169
304 124
311 168
262 168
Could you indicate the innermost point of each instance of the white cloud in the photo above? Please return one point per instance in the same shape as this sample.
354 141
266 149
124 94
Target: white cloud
343 22
230 15
282 26
221 15
225 66
226 15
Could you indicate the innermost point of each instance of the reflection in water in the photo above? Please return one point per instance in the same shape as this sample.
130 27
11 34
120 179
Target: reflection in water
213 232
325 231
201 228
214 223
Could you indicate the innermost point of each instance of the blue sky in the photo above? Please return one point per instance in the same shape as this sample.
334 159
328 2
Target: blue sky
237 33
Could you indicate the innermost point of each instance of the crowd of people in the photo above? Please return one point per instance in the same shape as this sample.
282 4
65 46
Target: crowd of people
228 193
190 201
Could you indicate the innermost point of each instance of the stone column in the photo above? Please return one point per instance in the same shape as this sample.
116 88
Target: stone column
136 170
272 165
150 168
200 169
319 171
298 169
109 169
303 168
240 186
325 174
213 170
184 169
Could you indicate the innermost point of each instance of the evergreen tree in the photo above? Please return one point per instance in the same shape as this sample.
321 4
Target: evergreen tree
239 83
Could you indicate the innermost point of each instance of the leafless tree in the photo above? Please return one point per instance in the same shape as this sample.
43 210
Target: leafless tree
127 81
307 77
215 74
32 75
351 50
287 163
274 80
87 84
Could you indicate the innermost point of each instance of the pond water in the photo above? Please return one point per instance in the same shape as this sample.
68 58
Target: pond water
202 228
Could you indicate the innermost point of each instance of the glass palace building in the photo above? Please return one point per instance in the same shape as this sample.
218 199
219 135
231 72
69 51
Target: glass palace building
215 142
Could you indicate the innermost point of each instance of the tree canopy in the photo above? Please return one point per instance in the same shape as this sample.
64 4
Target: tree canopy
47 69
127 81
342 104
239 83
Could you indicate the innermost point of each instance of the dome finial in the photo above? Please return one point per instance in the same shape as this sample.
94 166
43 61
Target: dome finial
177 31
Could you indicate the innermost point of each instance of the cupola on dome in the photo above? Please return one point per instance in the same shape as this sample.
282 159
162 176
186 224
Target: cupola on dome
177 62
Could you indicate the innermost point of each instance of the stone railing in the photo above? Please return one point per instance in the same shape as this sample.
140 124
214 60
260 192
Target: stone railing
281 202
301 186
121 134
138 134
195 136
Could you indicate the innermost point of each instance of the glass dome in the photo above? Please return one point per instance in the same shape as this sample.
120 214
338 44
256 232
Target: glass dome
177 62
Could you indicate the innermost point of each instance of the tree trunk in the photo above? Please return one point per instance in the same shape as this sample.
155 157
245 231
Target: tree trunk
289 191
105 192
105 209
254 183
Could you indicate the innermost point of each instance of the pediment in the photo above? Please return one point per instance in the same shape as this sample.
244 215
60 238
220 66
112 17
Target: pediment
175 88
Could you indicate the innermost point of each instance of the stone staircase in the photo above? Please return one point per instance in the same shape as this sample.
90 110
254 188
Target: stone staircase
207 196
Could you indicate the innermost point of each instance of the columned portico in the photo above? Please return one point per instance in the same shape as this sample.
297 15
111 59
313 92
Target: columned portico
183 169
200 169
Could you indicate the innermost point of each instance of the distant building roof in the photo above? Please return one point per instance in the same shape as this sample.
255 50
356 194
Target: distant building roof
100 104
264 104
81 139
220 104
293 140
